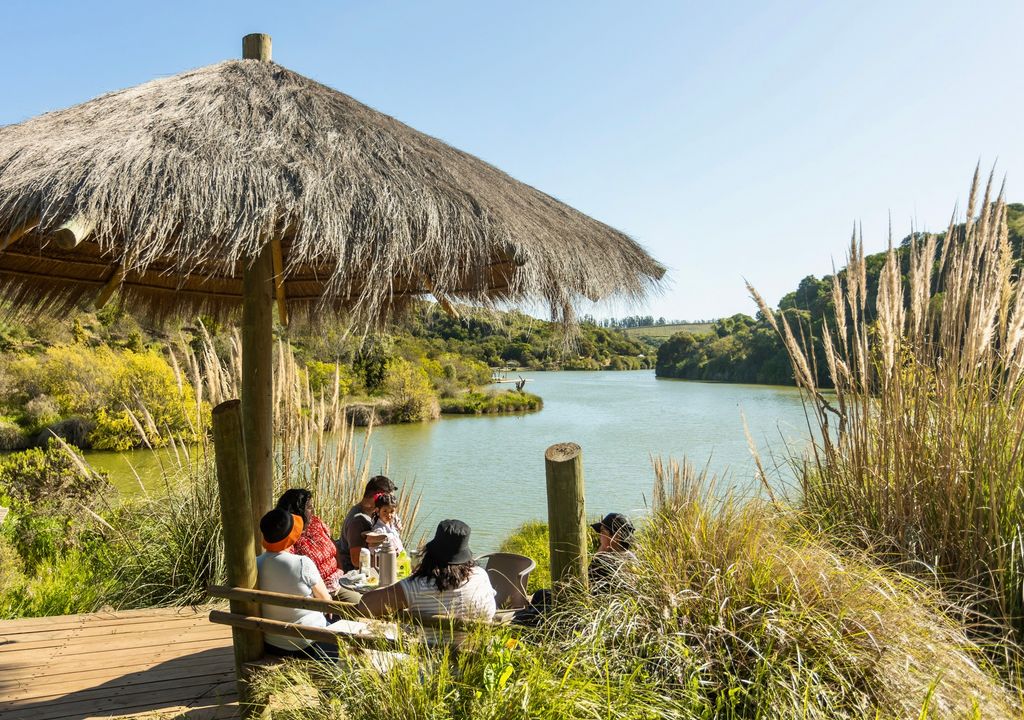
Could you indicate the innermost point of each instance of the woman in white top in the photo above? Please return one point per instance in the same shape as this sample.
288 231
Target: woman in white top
447 582
282 571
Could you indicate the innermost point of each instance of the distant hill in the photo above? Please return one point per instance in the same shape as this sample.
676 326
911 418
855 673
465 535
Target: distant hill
664 332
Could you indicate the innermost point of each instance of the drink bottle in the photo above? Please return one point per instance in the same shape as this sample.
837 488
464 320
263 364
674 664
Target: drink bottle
387 567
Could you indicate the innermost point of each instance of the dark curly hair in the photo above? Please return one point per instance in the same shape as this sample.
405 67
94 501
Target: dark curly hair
445 576
295 501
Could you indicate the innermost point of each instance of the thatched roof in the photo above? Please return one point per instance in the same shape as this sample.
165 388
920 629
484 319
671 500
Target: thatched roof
183 179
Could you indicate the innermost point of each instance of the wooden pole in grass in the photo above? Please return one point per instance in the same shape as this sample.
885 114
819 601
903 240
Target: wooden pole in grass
236 516
258 352
567 517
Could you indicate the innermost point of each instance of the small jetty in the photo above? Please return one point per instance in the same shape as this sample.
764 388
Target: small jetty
500 375
159 662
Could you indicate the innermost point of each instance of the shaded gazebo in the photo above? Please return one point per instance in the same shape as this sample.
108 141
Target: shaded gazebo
244 185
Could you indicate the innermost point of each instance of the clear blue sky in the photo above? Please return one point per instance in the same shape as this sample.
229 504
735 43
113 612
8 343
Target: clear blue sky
734 140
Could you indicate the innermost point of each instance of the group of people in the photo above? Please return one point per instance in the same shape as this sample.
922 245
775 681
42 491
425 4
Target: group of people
302 558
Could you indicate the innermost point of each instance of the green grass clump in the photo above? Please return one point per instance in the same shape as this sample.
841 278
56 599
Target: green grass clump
478 403
166 550
531 539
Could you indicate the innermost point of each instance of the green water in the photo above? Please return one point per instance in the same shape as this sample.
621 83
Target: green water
489 471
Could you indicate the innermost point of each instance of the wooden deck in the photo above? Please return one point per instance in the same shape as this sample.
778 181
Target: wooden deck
157 663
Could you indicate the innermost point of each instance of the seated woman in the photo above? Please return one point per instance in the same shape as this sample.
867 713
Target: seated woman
315 542
281 571
447 582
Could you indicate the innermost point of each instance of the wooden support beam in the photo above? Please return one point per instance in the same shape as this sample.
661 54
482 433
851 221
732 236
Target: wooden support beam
278 256
108 290
428 284
280 599
236 517
567 518
258 353
258 381
20 231
71 233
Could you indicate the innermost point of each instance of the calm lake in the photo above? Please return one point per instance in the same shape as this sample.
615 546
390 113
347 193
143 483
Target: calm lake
489 471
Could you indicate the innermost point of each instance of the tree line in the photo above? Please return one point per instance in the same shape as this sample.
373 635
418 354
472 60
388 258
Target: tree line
746 349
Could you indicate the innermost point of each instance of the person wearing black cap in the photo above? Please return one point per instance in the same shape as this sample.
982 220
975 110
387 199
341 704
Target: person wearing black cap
281 571
615 540
447 582
615 533
359 521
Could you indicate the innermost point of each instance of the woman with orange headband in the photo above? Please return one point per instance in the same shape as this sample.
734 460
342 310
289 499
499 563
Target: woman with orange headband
282 571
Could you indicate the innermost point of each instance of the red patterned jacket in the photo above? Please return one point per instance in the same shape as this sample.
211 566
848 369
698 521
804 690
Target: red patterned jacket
316 543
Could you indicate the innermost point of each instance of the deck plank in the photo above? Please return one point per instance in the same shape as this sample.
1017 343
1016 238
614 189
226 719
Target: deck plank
160 662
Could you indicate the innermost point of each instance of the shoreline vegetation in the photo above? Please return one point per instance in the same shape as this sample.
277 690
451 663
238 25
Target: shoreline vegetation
94 378
888 588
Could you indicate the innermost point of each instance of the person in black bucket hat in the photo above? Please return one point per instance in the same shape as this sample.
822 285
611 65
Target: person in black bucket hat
615 540
447 582
450 545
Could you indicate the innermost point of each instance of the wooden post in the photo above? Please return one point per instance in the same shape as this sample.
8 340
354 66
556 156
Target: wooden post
258 353
567 518
256 46
236 517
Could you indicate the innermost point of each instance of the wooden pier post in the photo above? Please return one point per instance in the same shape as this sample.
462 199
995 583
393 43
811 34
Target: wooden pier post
567 517
236 516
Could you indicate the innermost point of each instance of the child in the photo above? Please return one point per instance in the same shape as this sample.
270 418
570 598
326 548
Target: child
386 519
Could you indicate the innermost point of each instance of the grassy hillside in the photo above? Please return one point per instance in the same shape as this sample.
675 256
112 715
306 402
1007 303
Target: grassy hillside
664 332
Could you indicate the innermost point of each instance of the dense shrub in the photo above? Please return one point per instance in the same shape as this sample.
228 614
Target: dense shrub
325 378
12 437
410 395
478 403
41 411
49 478
46 491
105 386
72 430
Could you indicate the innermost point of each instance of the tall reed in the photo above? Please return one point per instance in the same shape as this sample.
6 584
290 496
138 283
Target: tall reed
919 454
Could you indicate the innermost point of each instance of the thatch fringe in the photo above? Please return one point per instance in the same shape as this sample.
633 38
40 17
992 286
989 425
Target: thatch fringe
185 178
